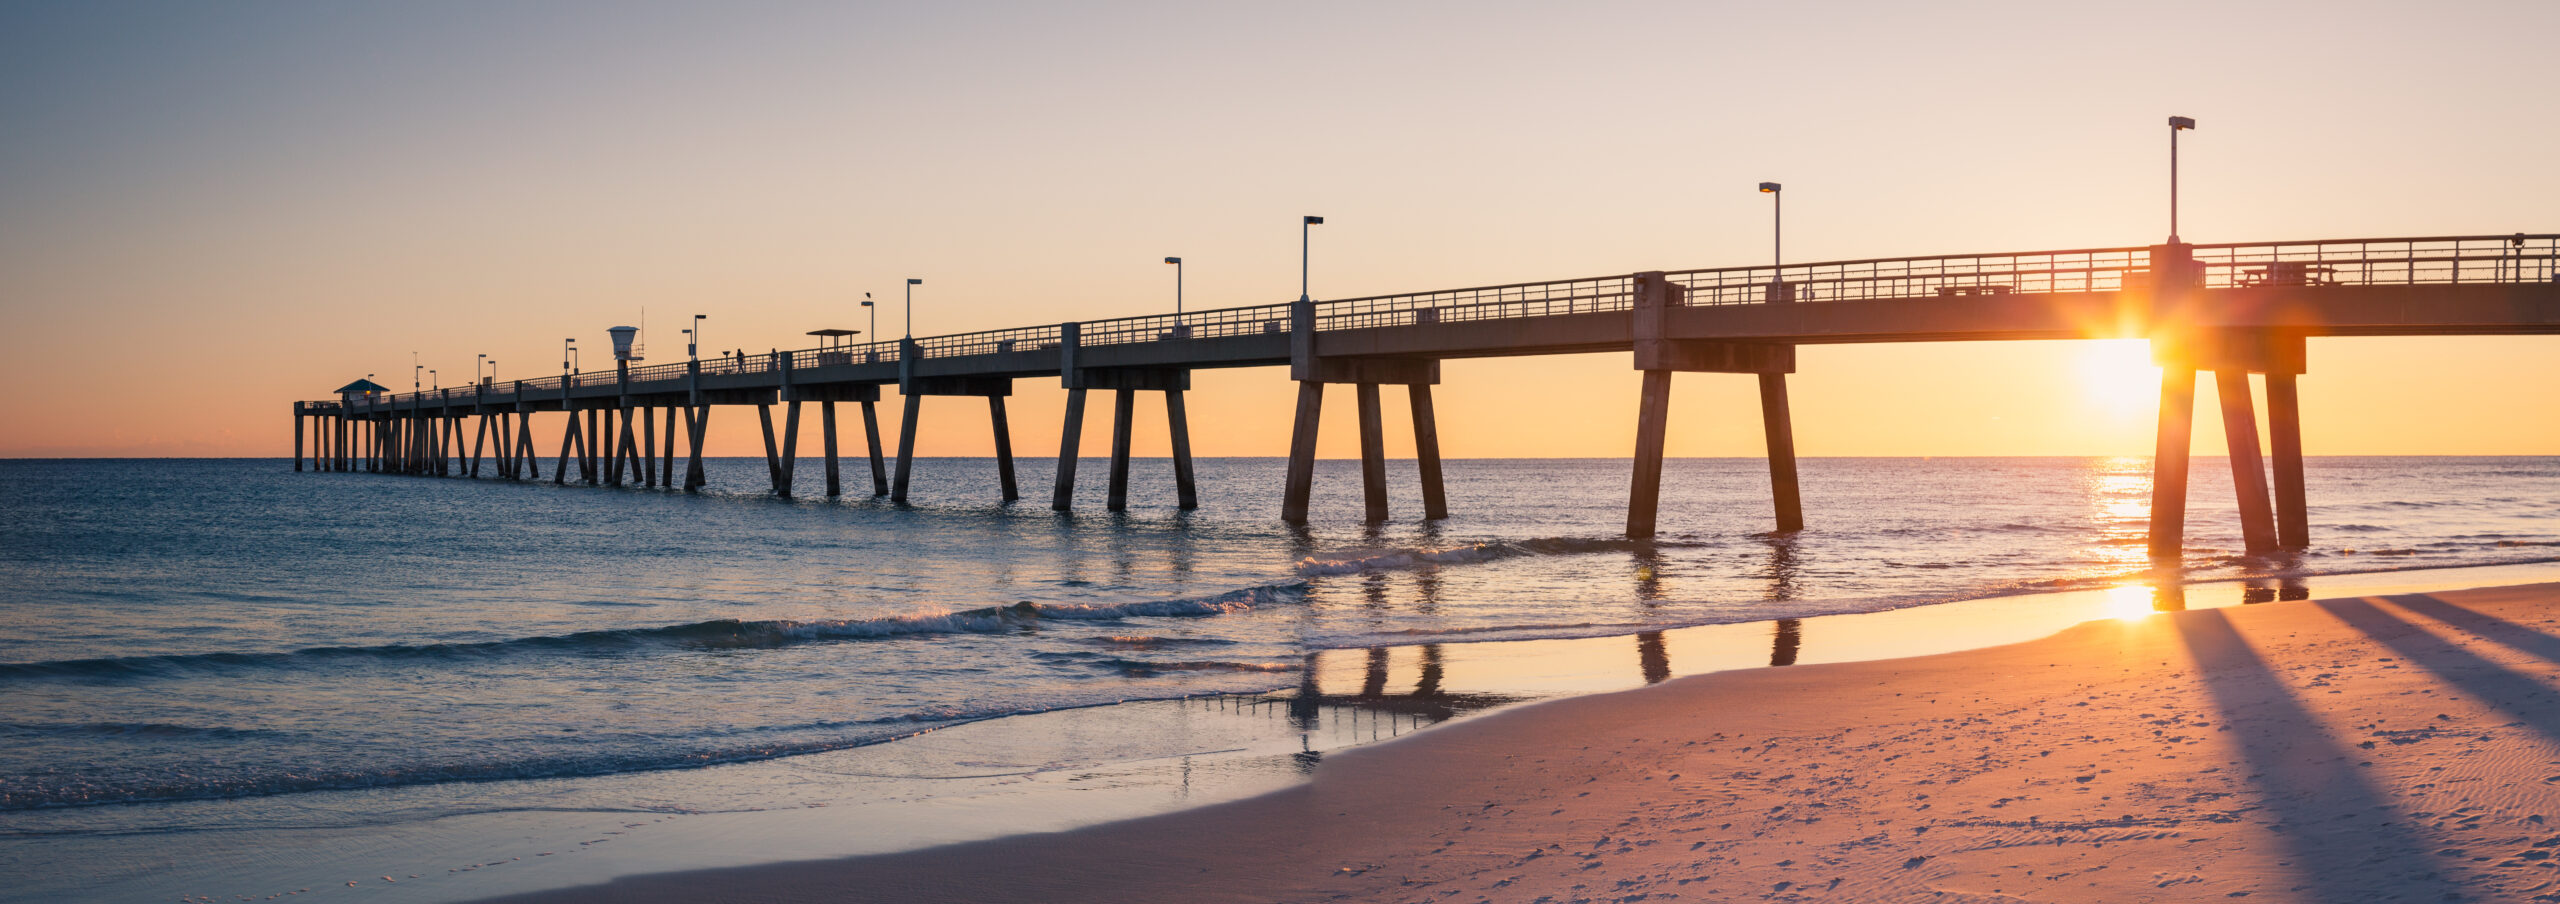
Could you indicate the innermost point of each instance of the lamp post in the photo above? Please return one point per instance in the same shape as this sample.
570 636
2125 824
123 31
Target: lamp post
874 311
568 356
1777 241
911 306
692 344
1177 286
1777 224
493 370
2177 124
432 380
477 367
416 370
1303 223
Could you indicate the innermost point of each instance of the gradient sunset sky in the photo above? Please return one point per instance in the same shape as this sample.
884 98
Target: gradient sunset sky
209 210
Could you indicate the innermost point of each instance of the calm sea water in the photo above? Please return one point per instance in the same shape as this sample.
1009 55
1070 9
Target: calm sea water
235 631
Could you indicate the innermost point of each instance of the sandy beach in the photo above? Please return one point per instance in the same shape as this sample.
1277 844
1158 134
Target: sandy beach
2401 747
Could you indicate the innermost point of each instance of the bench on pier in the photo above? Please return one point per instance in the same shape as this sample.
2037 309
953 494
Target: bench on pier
2287 273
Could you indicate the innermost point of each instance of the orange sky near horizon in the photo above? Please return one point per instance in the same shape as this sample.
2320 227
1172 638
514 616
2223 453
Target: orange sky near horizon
207 213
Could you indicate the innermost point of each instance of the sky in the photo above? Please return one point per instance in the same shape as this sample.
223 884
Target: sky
208 211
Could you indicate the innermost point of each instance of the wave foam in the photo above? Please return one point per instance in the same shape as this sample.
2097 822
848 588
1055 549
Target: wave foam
726 633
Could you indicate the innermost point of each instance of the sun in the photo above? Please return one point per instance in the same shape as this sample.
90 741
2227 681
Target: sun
2117 375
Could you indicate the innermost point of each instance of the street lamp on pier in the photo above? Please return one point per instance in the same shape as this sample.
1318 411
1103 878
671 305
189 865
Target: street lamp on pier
694 337
1303 223
1777 240
911 306
874 311
1177 286
2177 124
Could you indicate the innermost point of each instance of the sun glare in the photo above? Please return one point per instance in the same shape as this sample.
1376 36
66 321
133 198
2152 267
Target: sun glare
2118 375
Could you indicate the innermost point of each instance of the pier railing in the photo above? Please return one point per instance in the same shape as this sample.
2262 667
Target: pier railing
2468 259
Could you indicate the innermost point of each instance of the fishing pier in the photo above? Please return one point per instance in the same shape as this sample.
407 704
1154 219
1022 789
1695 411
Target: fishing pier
2234 309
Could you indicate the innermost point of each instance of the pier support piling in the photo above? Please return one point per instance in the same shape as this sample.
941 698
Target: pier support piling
1653 414
1302 453
1004 448
1779 426
2248 470
906 448
1373 452
790 449
827 424
871 436
1178 421
2169 463
568 439
697 422
1123 407
1426 452
2284 438
772 455
1070 437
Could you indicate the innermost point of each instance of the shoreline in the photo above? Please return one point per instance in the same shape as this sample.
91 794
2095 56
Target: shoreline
1016 777
2369 747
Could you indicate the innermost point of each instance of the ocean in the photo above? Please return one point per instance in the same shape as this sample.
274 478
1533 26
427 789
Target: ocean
190 648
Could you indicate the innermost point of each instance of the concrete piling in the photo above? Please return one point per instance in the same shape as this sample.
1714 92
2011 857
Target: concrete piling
2169 463
1123 407
2248 470
1070 436
2284 438
1426 452
1373 452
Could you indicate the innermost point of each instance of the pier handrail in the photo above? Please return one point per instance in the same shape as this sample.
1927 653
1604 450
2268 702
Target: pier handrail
2452 259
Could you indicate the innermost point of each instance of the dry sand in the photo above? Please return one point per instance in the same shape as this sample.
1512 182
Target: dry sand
2378 749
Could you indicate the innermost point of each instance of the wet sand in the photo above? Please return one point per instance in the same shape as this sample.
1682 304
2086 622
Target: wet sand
2401 747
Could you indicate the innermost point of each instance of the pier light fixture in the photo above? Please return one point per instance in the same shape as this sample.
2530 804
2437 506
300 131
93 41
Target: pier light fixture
432 381
1303 223
1777 224
1177 285
416 373
478 366
874 311
691 344
911 306
568 356
2177 124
